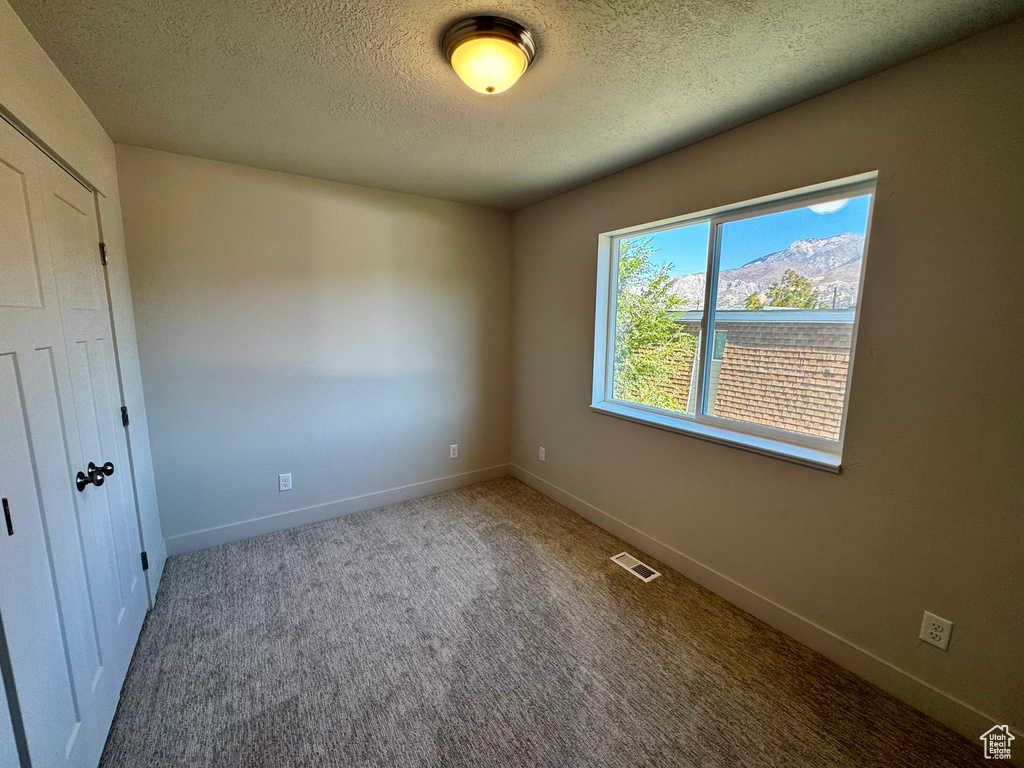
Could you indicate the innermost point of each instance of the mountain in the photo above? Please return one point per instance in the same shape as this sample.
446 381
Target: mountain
832 264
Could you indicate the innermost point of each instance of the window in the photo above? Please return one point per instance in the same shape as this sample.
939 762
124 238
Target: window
738 324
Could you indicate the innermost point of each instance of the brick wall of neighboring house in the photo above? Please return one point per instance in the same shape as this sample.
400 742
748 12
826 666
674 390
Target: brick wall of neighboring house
790 375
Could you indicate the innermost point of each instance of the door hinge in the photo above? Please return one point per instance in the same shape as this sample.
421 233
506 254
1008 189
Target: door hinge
145 561
124 415
103 254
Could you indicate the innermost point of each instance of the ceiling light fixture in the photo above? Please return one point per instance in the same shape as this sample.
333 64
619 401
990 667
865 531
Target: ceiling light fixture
489 53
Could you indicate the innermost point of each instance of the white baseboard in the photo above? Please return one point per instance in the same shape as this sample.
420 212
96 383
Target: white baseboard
244 529
947 709
157 561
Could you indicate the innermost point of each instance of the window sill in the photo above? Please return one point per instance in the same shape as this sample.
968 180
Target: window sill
809 457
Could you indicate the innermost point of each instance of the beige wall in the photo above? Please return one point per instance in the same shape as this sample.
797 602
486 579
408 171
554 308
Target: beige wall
343 334
928 513
35 95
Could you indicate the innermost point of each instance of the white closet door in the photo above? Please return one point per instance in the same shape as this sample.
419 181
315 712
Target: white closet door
119 586
70 604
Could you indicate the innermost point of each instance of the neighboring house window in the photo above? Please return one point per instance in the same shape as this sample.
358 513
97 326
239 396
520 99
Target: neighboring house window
738 324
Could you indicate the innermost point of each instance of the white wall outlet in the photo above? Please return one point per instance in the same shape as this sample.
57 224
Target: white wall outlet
936 630
542 454
284 482
453 451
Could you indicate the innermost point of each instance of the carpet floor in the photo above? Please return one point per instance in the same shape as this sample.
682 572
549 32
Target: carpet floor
483 627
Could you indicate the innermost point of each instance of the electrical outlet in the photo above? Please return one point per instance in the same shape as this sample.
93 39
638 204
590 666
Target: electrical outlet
453 451
542 454
284 482
936 630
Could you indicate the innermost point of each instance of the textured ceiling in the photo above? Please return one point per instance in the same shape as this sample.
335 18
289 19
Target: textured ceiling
358 91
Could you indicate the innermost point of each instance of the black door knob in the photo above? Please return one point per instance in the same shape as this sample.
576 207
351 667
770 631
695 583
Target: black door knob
107 469
95 476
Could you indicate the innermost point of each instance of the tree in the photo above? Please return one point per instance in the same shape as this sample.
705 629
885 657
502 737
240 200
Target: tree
753 301
648 345
794 291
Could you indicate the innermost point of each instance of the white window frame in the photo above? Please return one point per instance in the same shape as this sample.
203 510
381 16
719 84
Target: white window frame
804 449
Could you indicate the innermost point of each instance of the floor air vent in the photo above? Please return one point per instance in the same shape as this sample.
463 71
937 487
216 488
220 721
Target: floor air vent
634 566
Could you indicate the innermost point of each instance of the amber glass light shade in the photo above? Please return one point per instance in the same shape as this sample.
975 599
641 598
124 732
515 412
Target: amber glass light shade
489 53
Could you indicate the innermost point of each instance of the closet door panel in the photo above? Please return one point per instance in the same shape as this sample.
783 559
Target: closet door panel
94 397
29 602
68 536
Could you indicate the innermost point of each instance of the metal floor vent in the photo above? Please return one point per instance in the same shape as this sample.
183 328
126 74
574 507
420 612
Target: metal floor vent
634 566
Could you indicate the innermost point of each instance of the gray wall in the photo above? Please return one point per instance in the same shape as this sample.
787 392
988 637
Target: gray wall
342 334
927 513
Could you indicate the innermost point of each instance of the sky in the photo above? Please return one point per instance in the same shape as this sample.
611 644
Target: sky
686 248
